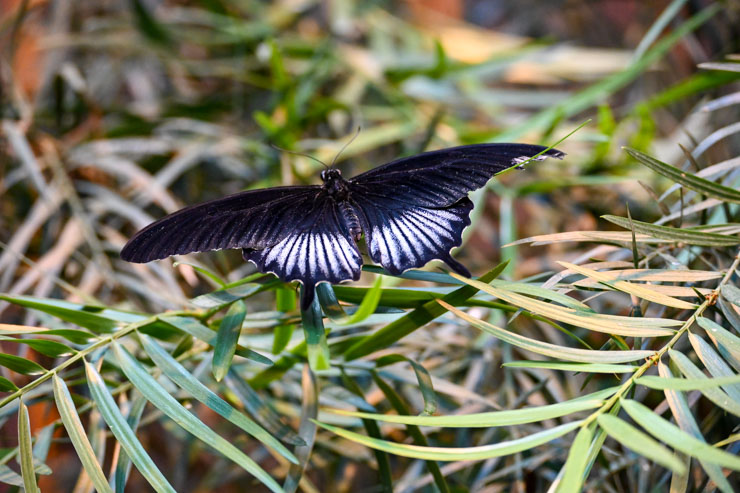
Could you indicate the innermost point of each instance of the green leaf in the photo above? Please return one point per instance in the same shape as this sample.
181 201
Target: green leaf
422 376
78 435
639 442
731 293
547 349
313 330
608 324
688 180
405 325
203 333
687 236
223 297
227 339
133 418
715 364
163 401
185 380
712 393
401 408
727 343
456 454
660 383
684 417
7 386
369 303
676 437
123 432
640 290
285 302
570 366
490 419
96 318
261 410
306 429
26 449
20 365
52 349
575 465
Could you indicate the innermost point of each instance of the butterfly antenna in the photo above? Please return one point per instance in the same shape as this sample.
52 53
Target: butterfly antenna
346 145
300 154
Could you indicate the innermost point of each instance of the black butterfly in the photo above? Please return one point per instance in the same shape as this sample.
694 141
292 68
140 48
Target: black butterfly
411 211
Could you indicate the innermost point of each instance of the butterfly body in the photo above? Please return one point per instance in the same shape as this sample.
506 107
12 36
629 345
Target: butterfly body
410 211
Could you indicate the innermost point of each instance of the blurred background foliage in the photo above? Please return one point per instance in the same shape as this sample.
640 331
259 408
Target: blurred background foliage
115 113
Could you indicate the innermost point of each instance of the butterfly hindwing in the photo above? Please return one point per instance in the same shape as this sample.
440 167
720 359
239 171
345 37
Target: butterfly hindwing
251 219
320 248
441 178
400 236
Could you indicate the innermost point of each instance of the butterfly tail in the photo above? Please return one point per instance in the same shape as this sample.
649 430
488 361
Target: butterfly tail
456 266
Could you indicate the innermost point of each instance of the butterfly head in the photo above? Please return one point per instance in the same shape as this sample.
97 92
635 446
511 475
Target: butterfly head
334 183
330 175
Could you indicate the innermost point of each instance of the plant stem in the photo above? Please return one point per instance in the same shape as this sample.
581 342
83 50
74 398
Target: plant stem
708 301
126 330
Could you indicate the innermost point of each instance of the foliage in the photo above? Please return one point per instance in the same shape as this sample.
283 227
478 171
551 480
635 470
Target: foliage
615 370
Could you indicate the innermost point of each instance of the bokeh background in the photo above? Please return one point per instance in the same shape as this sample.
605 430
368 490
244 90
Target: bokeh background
115 113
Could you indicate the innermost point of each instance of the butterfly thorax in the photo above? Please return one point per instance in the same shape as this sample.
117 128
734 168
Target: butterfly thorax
334 184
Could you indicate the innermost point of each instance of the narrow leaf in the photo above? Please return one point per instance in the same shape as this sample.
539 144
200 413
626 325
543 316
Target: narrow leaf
313 330
547 349
405 325
639 442
638 290
422 376
306 429
676 437
26 449
609 324
21 365
369 303
185 380
457 454
123 432
483 420
227 339
570 366
575 464
687 236
285 301
159 397
261 410
712 393
203 333
690 181
660 383
78 435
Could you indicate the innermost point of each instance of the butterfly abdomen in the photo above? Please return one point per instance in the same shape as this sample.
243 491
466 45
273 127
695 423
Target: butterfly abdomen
351 220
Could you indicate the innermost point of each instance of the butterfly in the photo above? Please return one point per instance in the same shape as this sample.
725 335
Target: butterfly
410 211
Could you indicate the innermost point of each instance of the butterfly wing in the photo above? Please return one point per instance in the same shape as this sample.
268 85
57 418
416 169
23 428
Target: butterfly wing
401 236
441 178
319 248
252 219
415 209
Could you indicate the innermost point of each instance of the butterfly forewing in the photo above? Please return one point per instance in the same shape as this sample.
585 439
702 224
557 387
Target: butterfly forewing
251 219
319 248
441 178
